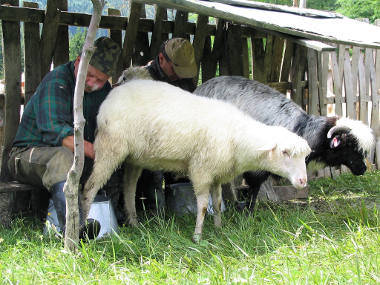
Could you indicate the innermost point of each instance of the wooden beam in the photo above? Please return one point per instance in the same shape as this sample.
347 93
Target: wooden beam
16 14
141 55
235 50
62 50
158 36
199 41
312 78
32 63
12 74
180 21
131 33
117 36
49 35
350 95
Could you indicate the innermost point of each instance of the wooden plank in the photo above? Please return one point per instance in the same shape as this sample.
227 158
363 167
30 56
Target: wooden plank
141 55
287 61
258 55
370 65
363 90
208 71
199 41
179 25
278 49
354 68
268 59
131 33
337 84
235 50
16 14
157 35
32 63
61 53
323 69
117 36
375 121
299 65
350 100
312 77
245 57
49 35
12 74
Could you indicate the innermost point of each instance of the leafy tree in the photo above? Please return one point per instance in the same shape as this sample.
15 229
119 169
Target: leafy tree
360 9
76 43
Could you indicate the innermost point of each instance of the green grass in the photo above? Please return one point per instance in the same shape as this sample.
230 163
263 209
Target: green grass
333 238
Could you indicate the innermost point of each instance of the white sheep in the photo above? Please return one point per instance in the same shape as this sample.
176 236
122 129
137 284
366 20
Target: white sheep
154 125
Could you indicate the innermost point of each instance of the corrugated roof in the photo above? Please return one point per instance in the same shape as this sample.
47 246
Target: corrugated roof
305 23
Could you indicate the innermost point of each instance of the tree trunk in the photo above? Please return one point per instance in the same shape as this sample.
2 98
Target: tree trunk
73 177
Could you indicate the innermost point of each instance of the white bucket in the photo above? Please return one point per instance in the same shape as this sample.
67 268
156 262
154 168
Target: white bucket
101 210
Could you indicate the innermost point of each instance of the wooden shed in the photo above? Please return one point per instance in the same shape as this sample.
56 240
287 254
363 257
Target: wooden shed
327 63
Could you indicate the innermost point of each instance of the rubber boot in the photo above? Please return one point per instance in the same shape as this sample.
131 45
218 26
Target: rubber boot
91 227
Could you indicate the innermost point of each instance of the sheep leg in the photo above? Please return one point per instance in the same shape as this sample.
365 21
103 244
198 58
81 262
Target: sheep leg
216 194
202 196
131 175
107 159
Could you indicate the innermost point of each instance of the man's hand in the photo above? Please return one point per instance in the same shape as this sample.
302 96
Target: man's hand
88 147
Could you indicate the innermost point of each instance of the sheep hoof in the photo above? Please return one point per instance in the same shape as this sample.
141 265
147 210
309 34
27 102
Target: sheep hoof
197 238
133 223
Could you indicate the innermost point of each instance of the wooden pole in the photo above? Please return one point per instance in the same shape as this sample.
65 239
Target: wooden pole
72 184
12 74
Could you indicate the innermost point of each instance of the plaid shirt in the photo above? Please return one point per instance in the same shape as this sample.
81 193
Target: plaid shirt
48 117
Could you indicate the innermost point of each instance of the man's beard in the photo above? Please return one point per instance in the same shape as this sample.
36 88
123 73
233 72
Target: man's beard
89 89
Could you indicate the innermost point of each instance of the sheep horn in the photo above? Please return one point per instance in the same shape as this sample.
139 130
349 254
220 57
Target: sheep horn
335 129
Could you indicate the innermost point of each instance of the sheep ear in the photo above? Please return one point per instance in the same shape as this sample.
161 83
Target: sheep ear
267 147
335 142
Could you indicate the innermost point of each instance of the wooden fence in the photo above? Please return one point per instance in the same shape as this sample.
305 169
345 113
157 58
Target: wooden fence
299 67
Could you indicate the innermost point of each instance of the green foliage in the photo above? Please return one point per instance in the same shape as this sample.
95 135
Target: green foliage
360 9
76 43
333 238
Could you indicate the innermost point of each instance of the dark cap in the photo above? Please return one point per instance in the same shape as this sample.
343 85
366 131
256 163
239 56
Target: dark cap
106 55
181 54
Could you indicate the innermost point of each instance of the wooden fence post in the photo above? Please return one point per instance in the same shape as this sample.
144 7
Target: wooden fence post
32 63
141 55
131 33
199 41
348 86
117 36
157 35
312 78
49 35
180 21
337 65
12 74
61 52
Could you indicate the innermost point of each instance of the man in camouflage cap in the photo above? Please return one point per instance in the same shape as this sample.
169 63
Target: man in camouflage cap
42 151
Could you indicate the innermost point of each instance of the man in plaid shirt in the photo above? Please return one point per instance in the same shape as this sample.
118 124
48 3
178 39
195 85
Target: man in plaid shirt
42 152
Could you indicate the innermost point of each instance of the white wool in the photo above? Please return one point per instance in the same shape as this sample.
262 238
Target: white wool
362 132
188 126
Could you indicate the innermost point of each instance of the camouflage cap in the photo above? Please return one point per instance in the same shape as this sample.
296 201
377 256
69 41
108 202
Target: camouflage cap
106 55
181 54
